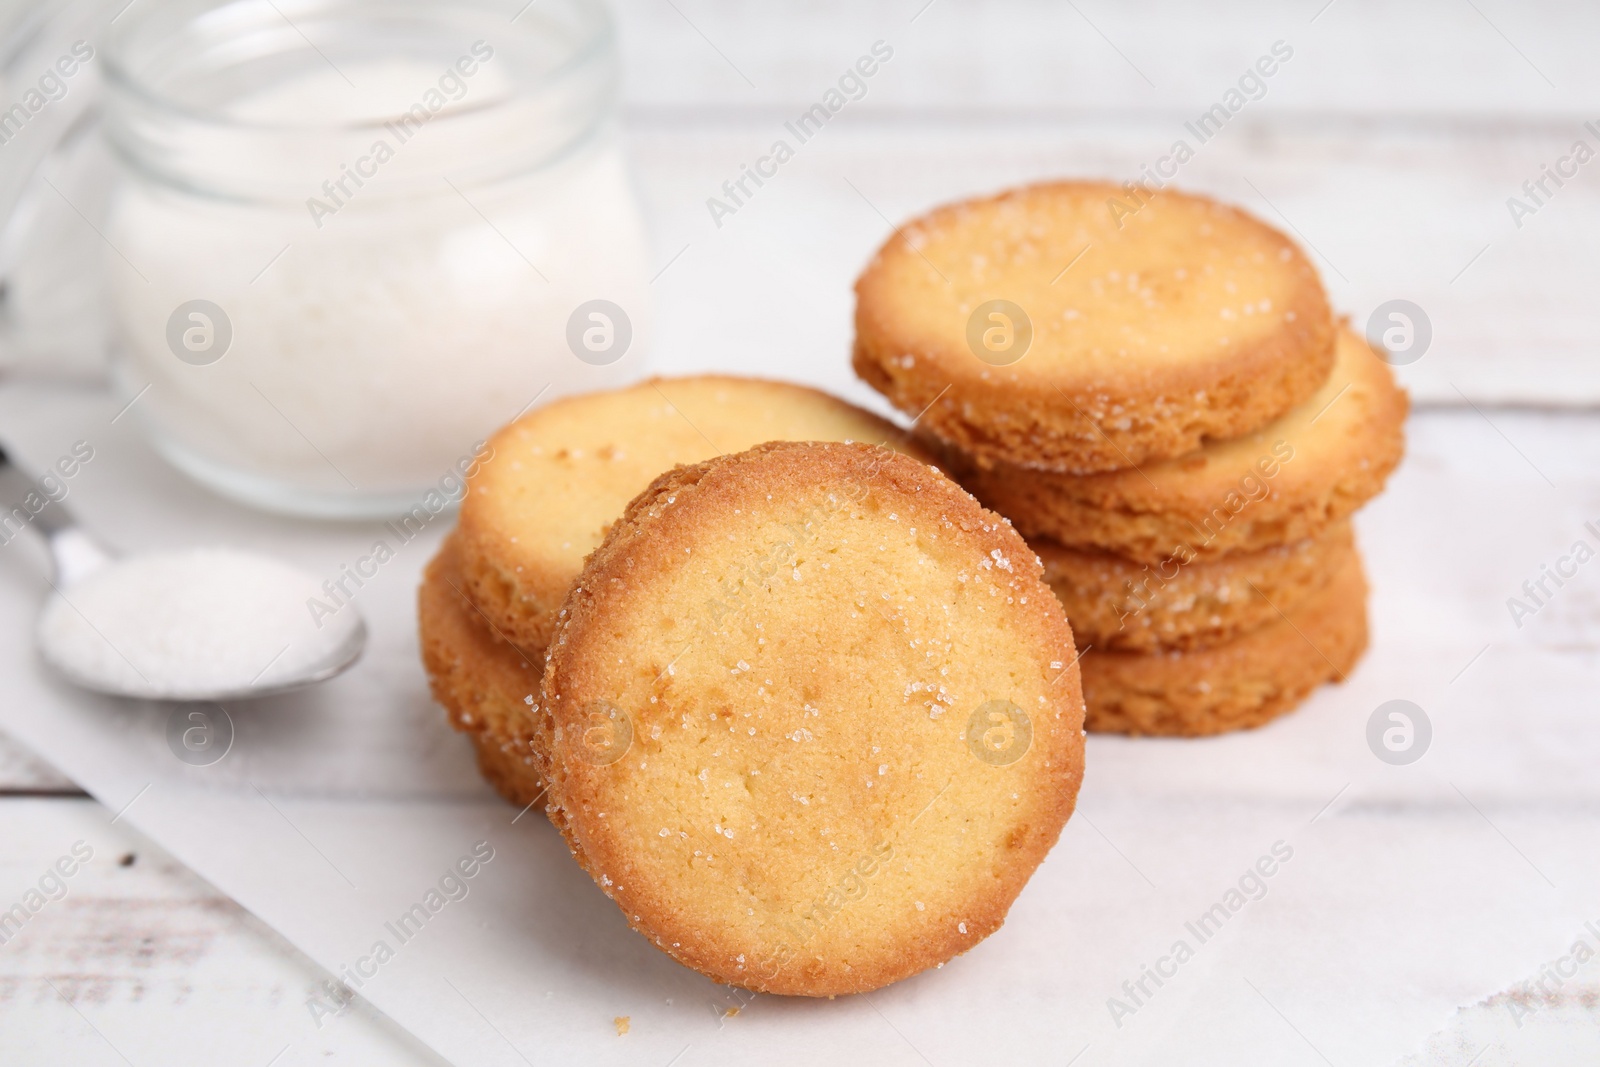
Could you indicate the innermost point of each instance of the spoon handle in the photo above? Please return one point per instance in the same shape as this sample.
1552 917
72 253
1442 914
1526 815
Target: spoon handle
26 502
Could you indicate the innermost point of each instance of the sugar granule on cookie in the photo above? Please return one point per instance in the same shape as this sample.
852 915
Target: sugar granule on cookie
816 717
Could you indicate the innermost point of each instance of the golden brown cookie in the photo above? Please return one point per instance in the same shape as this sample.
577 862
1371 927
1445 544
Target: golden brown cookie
488 687
816 717
1241 684
1050 328
557 476
1184 602
1285 482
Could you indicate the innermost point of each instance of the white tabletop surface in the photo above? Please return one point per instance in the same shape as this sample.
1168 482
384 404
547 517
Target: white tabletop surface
1417 890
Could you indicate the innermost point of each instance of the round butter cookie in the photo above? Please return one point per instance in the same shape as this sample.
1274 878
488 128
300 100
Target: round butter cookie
816 717
1287 481
489 689
1244 683
1184 602
1073 327
557 476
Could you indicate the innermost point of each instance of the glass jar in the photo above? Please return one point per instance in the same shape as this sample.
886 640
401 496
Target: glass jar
350 238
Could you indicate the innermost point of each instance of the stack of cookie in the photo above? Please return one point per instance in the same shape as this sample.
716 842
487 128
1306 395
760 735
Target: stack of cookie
1154 390
804 709
549 486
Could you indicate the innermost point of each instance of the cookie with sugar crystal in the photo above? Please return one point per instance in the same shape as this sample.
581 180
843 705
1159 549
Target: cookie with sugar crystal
816 717
1287 481
1070 327
1185 603
556 477
1238 685
489 688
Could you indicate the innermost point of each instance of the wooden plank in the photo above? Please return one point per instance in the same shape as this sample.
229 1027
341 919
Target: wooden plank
1561 1029
148 961
23 773
1491 57
142 959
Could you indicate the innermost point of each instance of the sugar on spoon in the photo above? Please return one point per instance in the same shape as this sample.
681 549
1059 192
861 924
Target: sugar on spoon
191 624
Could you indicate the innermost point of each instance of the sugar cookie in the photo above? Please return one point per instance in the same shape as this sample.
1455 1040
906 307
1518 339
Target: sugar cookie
1287 481
1185 603
489 689
1241 684
816 719
1044 328
557 476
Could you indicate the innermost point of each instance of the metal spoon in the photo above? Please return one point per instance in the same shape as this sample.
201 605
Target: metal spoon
190 601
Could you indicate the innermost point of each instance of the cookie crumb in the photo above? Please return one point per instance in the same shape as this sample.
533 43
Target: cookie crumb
621 1023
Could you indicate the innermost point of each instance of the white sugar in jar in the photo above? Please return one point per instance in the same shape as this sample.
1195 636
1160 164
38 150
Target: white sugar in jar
350 239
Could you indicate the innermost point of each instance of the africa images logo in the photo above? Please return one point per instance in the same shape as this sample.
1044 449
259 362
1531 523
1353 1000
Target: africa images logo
999 733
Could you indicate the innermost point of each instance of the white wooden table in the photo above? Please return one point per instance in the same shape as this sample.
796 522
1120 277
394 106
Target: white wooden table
1389 144
144 960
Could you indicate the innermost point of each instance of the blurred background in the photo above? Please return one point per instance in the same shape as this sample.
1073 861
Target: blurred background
1390 142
